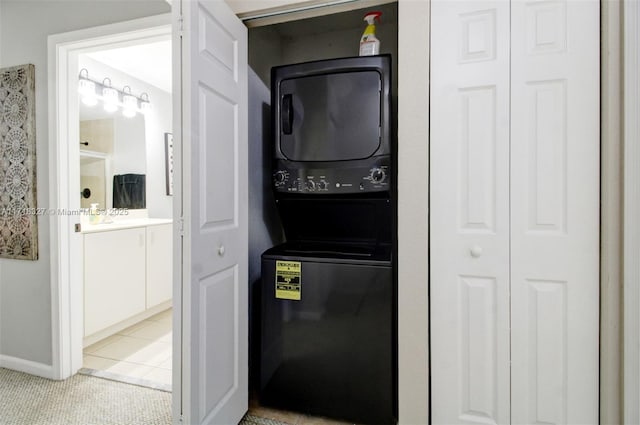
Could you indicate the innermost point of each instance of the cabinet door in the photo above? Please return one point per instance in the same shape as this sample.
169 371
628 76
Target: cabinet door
114 277
159 264
469 194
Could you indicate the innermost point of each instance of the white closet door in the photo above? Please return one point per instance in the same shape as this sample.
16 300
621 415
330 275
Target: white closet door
555 211
213 173
469 197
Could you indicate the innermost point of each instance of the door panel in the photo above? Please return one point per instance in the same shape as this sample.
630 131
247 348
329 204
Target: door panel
470 212
555 211
214 201
545 103
218 362
218 124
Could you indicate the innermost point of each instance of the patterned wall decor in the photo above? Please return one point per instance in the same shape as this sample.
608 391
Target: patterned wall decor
18 212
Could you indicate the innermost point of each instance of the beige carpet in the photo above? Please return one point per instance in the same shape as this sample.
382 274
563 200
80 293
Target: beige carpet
85 400
30 400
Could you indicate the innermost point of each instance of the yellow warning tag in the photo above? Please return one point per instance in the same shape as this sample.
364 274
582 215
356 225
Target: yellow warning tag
288 280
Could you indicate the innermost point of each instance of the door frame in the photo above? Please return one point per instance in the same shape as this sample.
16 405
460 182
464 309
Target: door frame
611 175
66 250
631 148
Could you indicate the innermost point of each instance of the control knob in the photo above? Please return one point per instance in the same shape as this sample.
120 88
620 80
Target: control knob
310 185
377 175
322 185
280 177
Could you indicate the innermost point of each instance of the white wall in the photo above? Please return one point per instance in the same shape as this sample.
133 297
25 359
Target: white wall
146 158
25 287
158 122
129 153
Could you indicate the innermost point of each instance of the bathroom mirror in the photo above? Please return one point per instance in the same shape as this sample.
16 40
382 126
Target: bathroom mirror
94 169
110 145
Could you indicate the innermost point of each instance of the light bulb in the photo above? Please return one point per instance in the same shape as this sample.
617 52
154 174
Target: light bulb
86 87
145 105
110 96
89 100
87 90
130 105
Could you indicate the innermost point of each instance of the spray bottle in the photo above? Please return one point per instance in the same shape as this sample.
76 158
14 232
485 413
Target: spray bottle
369 44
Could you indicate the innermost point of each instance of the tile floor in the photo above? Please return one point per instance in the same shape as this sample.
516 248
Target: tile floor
140 351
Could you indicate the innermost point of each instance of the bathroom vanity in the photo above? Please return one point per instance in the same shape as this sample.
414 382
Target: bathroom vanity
127 273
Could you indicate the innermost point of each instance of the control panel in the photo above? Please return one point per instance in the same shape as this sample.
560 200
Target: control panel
372 175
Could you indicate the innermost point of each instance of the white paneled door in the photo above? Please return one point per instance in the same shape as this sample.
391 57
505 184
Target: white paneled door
514 211
213 176
470 212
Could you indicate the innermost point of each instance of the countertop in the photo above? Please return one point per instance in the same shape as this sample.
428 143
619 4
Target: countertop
119 224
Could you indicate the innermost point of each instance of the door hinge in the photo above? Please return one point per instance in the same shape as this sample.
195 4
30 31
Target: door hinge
181 226
77 227
180 24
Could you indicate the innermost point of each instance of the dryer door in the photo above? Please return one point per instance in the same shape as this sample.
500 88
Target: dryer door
330 117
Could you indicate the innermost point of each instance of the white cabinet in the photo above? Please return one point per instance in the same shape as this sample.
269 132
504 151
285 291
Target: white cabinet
114 277
159 264
127 275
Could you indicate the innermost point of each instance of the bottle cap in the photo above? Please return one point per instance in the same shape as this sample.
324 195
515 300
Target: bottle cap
371 16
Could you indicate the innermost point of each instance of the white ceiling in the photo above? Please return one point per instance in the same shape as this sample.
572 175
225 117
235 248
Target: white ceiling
147 62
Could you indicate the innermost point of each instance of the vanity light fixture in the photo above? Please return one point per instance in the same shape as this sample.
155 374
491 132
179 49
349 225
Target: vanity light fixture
91 91
145 105
87 88
109 95
129 102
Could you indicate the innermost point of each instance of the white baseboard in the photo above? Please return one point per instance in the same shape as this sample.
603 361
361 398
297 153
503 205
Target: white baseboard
27 366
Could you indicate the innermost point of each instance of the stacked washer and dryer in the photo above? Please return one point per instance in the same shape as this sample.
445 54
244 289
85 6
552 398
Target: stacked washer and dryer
329 302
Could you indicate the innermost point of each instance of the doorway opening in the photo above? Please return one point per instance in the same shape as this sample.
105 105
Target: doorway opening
112 285
125 166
